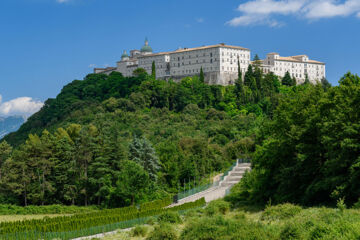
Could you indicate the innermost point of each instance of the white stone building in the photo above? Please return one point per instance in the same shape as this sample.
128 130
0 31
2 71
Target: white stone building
297 66
219 63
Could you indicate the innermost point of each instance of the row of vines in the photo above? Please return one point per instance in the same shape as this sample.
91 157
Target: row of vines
85 224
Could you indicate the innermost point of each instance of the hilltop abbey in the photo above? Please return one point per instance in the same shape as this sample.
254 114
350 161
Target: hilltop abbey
219 63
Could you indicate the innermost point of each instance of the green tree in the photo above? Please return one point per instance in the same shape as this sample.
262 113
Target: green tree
132 182
202 77
142 152
153 70
307 81
140 72
248 76
287 80
325 84
5 150
256 61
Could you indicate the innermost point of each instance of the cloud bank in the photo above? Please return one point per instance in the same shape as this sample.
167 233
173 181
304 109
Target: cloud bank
24 106
264 12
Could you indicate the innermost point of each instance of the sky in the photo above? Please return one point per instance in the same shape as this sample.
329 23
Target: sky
45 44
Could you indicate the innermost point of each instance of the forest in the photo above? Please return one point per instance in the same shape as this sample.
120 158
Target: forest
116 141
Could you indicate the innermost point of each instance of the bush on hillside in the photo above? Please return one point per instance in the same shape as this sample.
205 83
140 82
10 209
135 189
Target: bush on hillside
280 212
170 217
163 232
139 231
216 207
219 228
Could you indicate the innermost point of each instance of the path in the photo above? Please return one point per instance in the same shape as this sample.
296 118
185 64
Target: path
219 191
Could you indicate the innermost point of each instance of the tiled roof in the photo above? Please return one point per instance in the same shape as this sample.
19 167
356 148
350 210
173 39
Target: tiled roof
292 59
194 49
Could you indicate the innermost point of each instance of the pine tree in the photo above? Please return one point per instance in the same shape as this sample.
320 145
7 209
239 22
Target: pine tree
142 152
325 84
202 77
256 61
287 80
5 150
153 70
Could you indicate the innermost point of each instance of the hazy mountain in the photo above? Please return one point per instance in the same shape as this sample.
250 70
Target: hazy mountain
10 124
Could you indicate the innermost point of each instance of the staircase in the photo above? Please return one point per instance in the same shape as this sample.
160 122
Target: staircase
221 188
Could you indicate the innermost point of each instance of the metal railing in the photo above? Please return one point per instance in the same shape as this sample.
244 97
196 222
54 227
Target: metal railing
204 187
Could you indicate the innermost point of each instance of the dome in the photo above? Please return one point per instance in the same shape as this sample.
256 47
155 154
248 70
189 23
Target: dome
146 48
124 55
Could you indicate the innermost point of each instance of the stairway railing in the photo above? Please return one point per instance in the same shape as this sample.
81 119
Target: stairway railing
205 187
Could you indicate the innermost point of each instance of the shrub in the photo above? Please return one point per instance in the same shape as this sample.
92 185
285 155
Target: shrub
219 228
341 204
219 206
163 232
357 205
169 217
290 232
194 213
280 212
151 221
139 230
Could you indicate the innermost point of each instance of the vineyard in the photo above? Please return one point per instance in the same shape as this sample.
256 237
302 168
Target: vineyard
85 224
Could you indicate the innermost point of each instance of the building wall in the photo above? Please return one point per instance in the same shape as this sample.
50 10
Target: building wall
298 69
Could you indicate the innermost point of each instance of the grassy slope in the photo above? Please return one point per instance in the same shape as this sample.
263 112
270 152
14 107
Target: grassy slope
277 222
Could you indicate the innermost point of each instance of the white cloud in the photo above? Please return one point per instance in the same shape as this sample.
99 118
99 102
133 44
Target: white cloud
200 20
24 106
63 1
92 65
264 12
358 15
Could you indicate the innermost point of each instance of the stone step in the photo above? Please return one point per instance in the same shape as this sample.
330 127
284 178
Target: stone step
233 178
228 184
241 168
237 173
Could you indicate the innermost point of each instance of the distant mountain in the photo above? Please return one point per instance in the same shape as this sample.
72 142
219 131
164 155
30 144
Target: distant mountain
10 124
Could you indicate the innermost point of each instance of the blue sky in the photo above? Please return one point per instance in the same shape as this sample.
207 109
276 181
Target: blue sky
46 44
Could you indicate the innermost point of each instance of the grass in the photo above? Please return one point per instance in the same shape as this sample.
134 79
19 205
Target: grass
285 221
12 218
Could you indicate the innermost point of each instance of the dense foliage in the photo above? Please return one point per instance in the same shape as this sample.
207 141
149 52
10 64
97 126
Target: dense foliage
116 141
309 153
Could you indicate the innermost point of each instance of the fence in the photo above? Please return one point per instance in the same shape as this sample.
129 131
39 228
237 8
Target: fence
96 229
209 185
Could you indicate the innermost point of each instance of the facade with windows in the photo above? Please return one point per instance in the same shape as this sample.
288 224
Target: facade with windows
298 67
219 63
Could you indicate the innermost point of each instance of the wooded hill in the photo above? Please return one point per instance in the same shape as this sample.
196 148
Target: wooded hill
116 141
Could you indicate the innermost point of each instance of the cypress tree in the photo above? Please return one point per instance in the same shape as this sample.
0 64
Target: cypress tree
239 71
307 81
239 85
248 76
153 70
202 77
287 80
